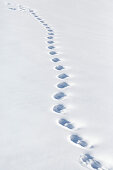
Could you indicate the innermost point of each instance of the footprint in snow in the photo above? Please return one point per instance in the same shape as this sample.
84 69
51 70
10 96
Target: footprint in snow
39 19
50 37
62 85
55 60
59 95
45 24
60 67
90 162
52 53
48 27
33 13
50 30
63 76
78 140
50 42
51 47
65 123
42 21
12 9
50 33
30 10
58 108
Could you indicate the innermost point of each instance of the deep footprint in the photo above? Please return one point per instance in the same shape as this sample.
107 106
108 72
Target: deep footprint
42 21
52 53
30 10
59 95
66 123
50 33
50 37
62 85
39 19
45 24
51 47
13 9
91 162
59 67
58 108
63 76
48 27
50 42
78 140
55 60
50 30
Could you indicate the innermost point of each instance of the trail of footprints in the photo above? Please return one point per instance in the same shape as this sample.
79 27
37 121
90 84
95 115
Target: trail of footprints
86 159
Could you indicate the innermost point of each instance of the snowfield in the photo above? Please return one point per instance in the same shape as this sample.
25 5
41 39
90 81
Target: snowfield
56 81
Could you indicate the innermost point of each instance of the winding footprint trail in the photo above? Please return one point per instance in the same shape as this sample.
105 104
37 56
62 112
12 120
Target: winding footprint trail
86 159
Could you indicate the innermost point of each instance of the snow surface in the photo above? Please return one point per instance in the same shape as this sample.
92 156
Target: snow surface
74 130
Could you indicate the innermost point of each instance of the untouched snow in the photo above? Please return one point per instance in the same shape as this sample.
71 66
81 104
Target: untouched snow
56 85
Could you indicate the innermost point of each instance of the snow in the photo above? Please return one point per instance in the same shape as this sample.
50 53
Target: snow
74 63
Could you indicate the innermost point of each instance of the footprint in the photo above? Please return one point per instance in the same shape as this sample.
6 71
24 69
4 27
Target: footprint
51 47
13 9
30 10
42 21
45 24
39 19
48 27
50 42
50 33
50 30
91 162
50 37
78 140
55 60
52 52
58 108
63 76
62 85
33 13
66 123
59 67
59 95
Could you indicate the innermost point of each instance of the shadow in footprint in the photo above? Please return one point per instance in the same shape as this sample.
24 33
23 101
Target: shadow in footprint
78 140
59 67
90 161
45 24
62 85
50 33
48 27
30 10
58 108
51 47
12 9
59 95
63 76
39 19
52 53
55 60
50 30
50 42
42 21
66 123
50 37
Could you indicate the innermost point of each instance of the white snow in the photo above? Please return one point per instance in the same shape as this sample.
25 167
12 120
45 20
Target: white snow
30 135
